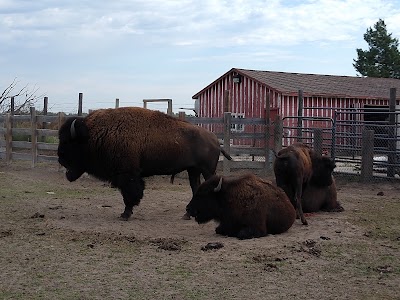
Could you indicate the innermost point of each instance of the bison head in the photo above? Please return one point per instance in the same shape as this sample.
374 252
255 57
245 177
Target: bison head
205 204
72 147
322 171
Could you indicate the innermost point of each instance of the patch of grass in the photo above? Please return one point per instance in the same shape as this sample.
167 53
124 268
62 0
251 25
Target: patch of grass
380 218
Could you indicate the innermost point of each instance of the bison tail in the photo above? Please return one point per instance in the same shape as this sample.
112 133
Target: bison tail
226 154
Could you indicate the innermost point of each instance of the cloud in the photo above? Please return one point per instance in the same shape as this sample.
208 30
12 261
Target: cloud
222 23
174 48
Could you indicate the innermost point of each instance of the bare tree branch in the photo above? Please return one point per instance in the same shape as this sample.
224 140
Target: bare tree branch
24 97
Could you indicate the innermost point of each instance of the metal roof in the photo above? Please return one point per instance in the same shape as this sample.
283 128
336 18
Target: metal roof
320 85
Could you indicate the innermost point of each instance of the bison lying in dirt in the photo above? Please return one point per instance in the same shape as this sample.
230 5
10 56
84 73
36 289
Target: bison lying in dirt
316 198
124 145
297 166
245 206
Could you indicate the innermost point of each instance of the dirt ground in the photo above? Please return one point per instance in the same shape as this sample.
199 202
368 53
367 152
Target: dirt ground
61 240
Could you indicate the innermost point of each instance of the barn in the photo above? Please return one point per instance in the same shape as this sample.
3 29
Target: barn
323 98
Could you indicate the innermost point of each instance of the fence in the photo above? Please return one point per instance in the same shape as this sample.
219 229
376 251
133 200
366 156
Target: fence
358 144
362 141
25 137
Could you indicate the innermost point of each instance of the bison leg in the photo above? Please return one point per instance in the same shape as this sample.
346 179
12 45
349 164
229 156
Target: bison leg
299 207
250 232
194 179
227 230
132 192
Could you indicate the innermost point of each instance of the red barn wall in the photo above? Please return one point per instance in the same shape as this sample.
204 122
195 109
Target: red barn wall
249 97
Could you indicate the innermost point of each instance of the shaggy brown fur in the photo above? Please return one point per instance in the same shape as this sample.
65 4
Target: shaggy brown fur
126 144
245 206
298 165
316 198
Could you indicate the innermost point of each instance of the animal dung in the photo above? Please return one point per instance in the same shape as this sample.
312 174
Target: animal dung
37 215
212 246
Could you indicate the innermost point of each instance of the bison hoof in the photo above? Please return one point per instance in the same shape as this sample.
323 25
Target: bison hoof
186 216
124 216
304 222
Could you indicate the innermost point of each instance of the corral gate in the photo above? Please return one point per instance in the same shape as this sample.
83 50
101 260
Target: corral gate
343 137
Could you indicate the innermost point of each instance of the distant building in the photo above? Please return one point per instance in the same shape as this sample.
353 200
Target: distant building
250 89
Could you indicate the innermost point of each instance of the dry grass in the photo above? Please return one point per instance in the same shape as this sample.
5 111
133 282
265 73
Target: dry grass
61 240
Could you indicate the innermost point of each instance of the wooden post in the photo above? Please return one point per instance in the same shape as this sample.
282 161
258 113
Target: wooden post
33 137
278 133
12 110
44 124
318 141
182 115
267 166
61 120
367 152
169 109
392 134
8 138
80 104
300 117
12 106
116 103
227 141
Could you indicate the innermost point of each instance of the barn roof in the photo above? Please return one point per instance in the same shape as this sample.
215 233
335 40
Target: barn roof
319 85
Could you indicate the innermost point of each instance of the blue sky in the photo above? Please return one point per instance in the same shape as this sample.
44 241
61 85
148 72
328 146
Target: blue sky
135 50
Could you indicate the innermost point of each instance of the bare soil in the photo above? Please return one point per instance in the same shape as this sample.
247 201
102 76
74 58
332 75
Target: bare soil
61 240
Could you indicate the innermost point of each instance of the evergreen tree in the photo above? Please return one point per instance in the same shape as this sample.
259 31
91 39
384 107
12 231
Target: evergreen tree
383 57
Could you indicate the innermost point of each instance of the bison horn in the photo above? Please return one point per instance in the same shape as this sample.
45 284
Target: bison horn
218 188
72 129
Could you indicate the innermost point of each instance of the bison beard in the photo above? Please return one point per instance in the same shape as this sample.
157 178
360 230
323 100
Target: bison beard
298 166
124 145
245 207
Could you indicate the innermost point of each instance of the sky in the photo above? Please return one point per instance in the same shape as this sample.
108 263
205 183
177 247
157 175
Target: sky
171 49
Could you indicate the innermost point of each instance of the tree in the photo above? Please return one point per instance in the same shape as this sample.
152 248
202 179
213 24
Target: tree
24 97
383 57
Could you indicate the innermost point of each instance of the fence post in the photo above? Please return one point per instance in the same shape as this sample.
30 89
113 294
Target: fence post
300 117
267 166
278 133
61 120
8 138
169 109
182 115
80 104
317 145
44 124
367 152
34 137
227 141
392 134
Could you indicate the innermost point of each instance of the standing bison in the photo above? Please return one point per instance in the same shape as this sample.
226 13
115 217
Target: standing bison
298 166
245 207
316 198
124 145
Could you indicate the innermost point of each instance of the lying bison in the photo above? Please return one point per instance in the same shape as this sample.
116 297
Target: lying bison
316 198
124 145
298 166
245 207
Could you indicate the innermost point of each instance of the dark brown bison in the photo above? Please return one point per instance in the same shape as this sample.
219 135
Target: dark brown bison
297 166
124 145
245 206
316 198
